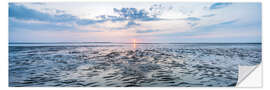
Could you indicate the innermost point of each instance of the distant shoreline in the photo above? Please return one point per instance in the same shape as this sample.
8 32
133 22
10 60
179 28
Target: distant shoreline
126 43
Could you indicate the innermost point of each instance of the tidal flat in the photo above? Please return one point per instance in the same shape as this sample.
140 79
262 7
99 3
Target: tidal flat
127 65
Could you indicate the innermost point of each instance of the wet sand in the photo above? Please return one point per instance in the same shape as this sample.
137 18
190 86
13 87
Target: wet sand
120 66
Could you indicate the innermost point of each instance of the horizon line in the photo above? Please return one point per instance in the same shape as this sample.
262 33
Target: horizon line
137 43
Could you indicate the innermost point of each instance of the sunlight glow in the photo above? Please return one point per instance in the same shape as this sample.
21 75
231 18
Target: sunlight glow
134 43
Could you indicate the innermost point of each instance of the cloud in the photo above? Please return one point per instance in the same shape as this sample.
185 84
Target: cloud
38 3
192 24
225 24
146 31
193 19
228 22
21 17
88 21
132 23
22 12
210 15
124 14
158 9
130 14
15 24
219 5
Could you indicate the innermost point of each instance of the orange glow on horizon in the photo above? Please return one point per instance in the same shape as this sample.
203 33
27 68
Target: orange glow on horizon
134 43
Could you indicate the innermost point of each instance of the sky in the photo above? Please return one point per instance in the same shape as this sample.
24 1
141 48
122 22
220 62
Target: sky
147 22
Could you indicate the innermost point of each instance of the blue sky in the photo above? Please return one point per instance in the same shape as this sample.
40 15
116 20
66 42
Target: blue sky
143 21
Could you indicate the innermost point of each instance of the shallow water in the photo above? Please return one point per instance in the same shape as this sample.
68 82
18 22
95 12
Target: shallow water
126 65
